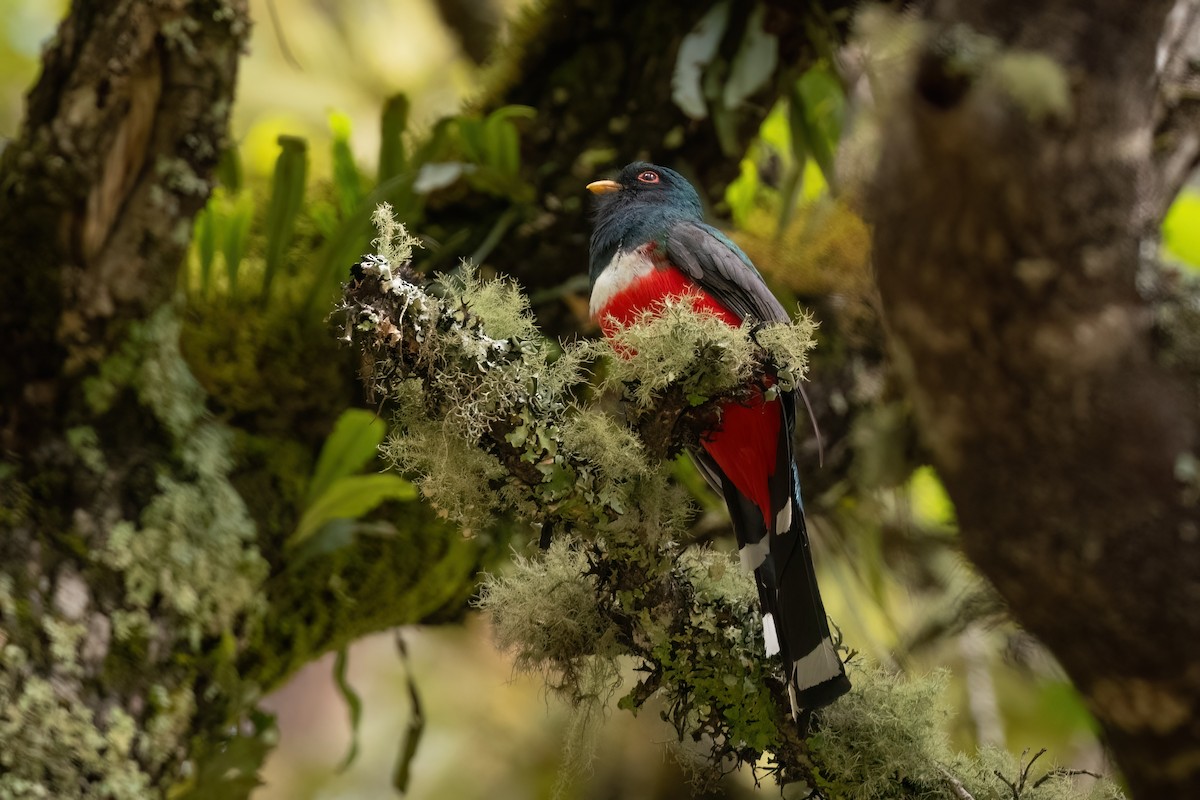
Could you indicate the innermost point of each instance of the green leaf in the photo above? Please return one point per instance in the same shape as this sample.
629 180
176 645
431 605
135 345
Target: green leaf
511 112
206 242
350 498
930 503
470 139
347 183
416 726
229 170
819 108
353 705
501 139
230 772
329 538
236 238
742 192
794 178
287 196
350 446
392 158
1181 228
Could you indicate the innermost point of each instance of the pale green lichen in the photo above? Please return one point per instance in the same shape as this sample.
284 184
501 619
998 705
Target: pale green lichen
787 348
179 176
131 624
544 610
86 443
394 244
718 576
452 474
603 442
676 347
150 362
173 711
700 356
188 569
887 739
65 638
1035 82
54 746
614 581
889 729
192 549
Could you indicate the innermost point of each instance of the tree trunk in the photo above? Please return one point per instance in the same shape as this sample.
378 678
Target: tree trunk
1012 198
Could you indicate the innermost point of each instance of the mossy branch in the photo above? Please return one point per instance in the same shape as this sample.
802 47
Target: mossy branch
488 424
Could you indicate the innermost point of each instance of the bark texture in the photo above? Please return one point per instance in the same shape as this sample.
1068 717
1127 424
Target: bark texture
1059 409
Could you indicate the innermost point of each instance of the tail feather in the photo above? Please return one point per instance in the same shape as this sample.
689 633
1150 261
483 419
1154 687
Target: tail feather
773 544
794 622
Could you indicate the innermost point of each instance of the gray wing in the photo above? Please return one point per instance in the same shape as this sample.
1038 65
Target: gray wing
712 260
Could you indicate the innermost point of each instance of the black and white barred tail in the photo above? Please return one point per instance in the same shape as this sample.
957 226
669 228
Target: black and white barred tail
794 622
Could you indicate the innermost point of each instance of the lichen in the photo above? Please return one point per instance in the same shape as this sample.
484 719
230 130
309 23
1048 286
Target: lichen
544 610
65 638
193 548
86 443
192 552
188 568
149 361
52 745
453 475
678 347
1036 83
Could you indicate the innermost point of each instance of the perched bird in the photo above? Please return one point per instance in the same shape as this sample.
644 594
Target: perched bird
649 244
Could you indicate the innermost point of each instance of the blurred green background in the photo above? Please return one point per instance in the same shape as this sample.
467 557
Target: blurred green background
323 71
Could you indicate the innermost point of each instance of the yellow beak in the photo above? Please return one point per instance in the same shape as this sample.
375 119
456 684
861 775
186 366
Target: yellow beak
603 187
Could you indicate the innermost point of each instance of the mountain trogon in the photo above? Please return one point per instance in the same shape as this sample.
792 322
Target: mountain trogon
649 244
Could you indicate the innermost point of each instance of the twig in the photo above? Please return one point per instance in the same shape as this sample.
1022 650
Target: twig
956 785
1065 773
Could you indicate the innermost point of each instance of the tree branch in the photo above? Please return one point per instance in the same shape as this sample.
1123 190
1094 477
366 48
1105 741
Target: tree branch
479 396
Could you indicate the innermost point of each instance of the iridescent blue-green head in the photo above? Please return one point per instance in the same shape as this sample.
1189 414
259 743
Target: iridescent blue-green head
638 207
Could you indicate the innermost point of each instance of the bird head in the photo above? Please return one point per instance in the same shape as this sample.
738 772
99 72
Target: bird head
638 207
642 186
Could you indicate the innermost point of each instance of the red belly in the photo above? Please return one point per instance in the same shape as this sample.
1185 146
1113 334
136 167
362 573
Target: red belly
744 446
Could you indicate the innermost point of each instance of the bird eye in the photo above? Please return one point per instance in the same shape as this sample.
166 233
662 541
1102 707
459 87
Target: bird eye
649 176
